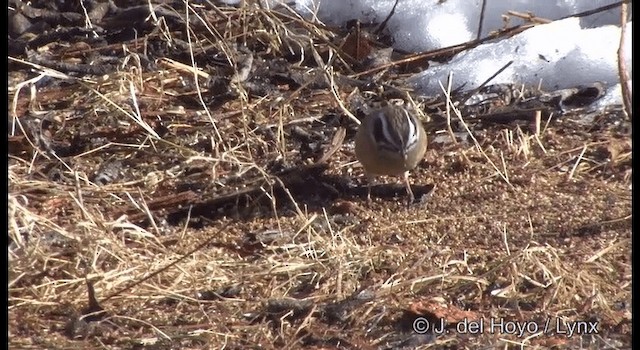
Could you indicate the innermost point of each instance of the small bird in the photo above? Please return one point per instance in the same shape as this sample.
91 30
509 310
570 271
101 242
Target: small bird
390 141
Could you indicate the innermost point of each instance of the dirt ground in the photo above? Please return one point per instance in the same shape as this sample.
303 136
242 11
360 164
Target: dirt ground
156 206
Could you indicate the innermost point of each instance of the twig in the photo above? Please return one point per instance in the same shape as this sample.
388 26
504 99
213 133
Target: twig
328 71
622 67
529 17
482 9
450 50
596 10
475 141
575 166
219 142
384 23
475 91
448 109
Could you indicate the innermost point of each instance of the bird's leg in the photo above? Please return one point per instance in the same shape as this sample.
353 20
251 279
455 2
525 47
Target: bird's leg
370 180
408 185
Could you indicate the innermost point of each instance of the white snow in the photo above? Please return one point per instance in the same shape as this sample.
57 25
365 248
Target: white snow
562 54
555 56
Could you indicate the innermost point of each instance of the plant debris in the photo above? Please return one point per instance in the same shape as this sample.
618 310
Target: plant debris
191 167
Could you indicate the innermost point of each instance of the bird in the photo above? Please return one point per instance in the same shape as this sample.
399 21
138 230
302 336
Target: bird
390 141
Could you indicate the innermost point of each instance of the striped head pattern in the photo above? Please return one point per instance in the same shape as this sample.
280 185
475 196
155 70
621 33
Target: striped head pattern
395 130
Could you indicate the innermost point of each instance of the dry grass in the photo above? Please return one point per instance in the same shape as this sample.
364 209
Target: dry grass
180 190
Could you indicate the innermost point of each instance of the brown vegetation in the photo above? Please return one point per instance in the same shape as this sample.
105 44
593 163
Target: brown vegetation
188 180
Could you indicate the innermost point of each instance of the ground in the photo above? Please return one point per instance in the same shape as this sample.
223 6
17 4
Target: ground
149 209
